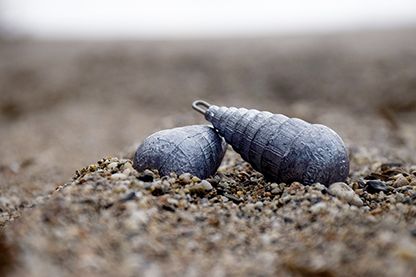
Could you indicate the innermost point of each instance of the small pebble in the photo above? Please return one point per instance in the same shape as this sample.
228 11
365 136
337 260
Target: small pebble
259 204
206 185
185 178
275 191
343 192
112 165
129 196
195 179
401 181
118 176
374 186
127 165
319 186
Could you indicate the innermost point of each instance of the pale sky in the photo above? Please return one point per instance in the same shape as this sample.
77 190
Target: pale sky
199 18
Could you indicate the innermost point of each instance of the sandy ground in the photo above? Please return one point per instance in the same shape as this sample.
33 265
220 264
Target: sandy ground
65 105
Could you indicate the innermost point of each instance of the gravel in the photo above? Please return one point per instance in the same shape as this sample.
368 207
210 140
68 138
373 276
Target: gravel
113 220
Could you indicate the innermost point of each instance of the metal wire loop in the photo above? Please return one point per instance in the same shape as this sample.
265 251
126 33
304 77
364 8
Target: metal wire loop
201 106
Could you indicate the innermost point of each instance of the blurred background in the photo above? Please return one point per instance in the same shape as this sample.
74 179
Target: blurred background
84 79
161 19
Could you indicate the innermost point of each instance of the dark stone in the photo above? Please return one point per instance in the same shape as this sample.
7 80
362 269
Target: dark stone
374 186
168 208
287 219
128 197
146 177
324 191
361 183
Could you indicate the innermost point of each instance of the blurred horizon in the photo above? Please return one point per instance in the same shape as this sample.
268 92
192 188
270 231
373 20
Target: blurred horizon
185 19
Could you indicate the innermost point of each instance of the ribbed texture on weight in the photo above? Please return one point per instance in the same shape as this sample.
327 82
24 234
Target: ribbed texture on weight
196 149
283 149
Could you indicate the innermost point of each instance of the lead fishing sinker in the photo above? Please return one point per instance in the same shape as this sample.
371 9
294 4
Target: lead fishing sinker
196 149
283 149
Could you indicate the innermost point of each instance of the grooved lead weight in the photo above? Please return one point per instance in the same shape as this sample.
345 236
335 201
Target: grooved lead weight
283 149
195 149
